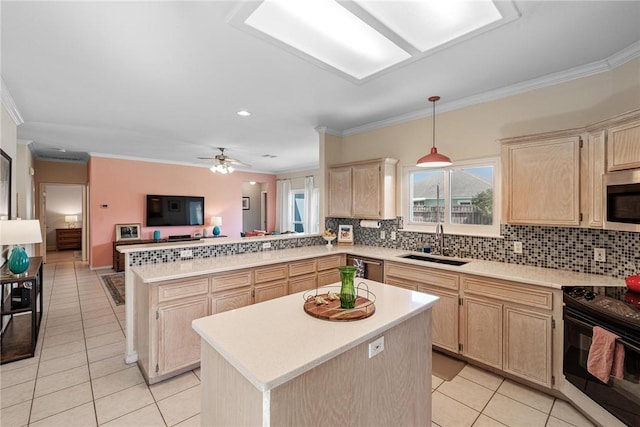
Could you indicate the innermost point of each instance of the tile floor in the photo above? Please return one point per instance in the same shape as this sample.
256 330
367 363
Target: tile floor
78 376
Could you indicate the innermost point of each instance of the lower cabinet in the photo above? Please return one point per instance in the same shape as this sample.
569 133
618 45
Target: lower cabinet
303 283
178 343
230 299
444 318
482 336
270 290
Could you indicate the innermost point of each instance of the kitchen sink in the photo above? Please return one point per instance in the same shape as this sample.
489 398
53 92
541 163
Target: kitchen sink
427 258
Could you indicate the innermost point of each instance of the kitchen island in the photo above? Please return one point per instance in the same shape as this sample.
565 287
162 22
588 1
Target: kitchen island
273 364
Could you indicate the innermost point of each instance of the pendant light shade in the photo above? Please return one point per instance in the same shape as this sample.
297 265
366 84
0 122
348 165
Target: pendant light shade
433 159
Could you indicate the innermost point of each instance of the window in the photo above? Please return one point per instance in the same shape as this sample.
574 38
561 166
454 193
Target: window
299 205
464 197
297 202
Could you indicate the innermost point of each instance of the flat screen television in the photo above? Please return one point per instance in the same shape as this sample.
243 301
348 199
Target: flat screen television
174 210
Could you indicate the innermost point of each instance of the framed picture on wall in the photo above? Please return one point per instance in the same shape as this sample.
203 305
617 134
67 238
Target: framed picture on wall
127 232
5 185
246 204
345 234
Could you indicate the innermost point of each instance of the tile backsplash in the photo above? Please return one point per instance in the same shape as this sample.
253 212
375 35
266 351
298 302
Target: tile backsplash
562 248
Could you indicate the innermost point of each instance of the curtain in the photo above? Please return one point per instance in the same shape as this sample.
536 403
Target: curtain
283 205
311 206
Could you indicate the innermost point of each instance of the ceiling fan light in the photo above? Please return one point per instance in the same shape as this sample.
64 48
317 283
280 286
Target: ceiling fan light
434 160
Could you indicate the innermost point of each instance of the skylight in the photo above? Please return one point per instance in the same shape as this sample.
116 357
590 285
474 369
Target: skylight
361 38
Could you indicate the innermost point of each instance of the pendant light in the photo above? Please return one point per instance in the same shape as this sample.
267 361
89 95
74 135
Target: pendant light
433 159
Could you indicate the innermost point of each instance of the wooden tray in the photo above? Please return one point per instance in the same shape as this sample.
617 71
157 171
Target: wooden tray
332 311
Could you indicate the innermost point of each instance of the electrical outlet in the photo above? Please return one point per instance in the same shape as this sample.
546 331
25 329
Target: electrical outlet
383 235
376 347
393 235
600 254
517 247
266 245
187 253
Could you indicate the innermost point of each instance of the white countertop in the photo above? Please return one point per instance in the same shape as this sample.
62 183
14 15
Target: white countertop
547 277
274 341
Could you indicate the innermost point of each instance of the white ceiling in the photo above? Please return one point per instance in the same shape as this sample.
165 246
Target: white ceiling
164 80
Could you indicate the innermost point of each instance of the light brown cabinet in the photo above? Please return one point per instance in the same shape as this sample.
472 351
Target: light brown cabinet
363 189
270 282
482 337
623 146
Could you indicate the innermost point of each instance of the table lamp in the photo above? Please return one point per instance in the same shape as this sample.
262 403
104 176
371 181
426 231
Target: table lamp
19 232
217 222
70 219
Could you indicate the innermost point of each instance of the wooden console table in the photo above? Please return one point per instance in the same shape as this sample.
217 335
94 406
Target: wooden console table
21 334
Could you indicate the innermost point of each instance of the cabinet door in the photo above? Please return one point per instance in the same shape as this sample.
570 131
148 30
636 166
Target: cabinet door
302 283
401 283
623 147
328 277
482 336
593 187
178 343
228 300
367 191
340 192
543 182
444 318
527 345
270 290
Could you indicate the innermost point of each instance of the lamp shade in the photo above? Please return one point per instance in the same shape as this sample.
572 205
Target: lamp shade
71 218
216 220
20 232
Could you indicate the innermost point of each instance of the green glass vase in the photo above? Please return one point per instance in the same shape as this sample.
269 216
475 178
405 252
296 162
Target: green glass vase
348 293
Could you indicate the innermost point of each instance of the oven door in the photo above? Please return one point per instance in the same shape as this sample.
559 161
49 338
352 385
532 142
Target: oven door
619 397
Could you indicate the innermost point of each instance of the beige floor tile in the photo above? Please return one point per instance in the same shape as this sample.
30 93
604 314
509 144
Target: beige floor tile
64 320
484 421
61 380
52 341
97 321
51 331
102 329
181 406
197 372
18 364
565 412
97 313
447 412
62 350
105 339
55 314
107 366
61 401
62 304
63 363
95 306
149 416
117 381
124 402
523 394
482 377
467 392
18 393
16 415
436 382
174 385
18 376
190 422
513 413
106 351
554 422
80 416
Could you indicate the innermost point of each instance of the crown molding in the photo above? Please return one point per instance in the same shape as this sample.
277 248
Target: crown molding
616 60
10 105
327 130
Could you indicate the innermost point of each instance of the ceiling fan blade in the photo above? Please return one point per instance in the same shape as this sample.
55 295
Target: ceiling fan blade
207 158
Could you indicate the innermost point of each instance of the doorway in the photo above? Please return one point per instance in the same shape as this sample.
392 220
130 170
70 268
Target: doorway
64 222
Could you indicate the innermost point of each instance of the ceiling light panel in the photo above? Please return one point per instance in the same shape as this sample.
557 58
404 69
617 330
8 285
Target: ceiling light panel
429 24
328 32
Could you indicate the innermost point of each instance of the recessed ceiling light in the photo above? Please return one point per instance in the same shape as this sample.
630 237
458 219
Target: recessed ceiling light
243 113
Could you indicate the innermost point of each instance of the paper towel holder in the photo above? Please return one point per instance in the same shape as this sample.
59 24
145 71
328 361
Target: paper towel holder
367 223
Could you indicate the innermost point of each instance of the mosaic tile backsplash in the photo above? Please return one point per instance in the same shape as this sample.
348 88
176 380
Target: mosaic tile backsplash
561 248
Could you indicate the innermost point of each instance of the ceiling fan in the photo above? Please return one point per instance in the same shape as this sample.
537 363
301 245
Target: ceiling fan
222 163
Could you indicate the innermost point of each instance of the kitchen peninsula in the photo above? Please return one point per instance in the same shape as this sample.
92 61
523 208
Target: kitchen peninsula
273 364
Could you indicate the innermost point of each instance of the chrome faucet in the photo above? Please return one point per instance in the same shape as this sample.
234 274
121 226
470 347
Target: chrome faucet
440 238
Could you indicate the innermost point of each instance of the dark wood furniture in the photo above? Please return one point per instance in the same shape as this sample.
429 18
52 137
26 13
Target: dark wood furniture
68 238
24 315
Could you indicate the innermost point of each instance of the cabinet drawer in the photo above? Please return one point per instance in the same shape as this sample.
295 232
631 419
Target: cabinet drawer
183 289
511 292
328 277
230 300
231 280
302 283
302 267
270 291
267 274
329 262
401 284
422 275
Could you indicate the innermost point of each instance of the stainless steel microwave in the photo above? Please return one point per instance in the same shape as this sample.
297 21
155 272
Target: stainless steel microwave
622 200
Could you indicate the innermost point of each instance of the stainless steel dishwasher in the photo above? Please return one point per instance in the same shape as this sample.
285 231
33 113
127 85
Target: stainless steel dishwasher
373 268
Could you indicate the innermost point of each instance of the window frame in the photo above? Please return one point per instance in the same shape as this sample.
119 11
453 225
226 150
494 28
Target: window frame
449 228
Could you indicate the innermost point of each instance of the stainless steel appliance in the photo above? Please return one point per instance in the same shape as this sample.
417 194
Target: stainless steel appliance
616 310
370 268
622 200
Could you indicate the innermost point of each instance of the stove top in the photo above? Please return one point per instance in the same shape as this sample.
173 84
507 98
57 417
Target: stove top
616 303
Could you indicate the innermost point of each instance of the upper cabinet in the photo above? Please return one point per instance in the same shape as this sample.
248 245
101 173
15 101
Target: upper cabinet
623 146
542 180
364 190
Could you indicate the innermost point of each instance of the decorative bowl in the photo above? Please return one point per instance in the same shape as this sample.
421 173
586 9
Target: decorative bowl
329 239
633 282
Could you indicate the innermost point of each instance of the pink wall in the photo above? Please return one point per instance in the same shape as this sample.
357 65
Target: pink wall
124 184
